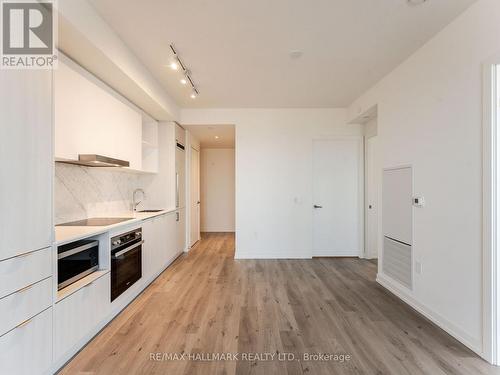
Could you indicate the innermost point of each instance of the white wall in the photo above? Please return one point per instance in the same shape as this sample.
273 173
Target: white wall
217 190
273 174
429 116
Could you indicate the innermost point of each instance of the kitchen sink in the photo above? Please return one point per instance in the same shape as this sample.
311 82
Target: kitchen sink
149 210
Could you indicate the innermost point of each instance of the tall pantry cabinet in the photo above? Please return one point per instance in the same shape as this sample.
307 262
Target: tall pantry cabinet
26 231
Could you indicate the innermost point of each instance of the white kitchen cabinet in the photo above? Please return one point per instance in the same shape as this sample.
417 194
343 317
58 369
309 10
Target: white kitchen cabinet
27 162
77 316
27 349
170 237
148 248
19 272
91 118
150 149
18 307
180 178
181 230
160 244
152 255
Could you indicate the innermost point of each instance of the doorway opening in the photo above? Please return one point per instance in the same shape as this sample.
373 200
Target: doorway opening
212 180
372 184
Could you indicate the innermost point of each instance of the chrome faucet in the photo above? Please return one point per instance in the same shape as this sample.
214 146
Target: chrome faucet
134 203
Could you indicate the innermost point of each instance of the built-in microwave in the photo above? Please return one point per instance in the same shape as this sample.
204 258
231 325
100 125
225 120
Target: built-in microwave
76 260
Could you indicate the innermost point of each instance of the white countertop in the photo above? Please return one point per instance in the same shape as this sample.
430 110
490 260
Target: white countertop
69 234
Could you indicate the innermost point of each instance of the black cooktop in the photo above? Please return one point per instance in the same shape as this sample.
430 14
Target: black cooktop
95 222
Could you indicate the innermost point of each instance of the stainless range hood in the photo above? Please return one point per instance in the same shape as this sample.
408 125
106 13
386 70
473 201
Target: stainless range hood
93 160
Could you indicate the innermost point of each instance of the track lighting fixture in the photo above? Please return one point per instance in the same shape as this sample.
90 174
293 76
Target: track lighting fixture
187 73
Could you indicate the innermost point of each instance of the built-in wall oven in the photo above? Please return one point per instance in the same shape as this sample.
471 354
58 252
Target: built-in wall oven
76 260
126 261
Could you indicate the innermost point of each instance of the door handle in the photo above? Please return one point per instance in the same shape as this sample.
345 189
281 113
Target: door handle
198 202
130 248
316 206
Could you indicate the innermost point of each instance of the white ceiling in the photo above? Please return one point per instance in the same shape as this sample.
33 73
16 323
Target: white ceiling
238 50
206 135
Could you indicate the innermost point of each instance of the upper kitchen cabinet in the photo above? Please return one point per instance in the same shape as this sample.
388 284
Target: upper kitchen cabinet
27 170
91 118
150 145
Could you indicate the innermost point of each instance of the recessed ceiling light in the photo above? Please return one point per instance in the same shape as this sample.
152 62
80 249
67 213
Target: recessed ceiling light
295 54
184 81
415 2
216 137
193 95
174 66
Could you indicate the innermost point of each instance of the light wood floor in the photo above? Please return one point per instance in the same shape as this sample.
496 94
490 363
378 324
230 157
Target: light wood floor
207 302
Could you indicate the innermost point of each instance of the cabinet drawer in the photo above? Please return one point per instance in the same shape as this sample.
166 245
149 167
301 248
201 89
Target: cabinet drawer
21 271
23 305
27 349
78 315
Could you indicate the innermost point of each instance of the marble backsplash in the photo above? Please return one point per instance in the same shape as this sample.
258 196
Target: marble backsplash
82 192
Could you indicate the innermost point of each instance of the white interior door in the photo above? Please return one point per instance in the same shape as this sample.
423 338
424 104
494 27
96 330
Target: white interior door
337 208
195 196
372 176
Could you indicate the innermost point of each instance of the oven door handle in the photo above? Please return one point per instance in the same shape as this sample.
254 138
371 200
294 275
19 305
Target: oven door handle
130 248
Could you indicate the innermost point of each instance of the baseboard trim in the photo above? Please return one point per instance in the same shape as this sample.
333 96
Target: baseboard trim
261 255
438 320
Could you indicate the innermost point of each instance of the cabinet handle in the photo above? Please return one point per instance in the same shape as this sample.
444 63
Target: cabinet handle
25 288
25 323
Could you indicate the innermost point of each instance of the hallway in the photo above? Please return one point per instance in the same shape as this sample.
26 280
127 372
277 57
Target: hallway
207 302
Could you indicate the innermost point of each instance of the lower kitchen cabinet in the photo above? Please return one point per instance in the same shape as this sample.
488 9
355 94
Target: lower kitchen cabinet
77 316
170 238
21 271
21 306
27 349
148 237
159 247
